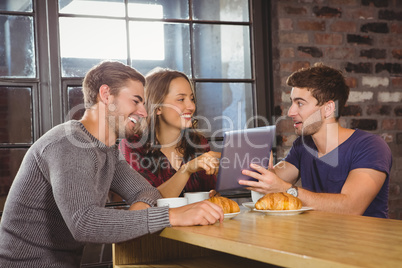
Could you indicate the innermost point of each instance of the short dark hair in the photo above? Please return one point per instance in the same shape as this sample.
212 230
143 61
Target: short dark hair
324 83
112 73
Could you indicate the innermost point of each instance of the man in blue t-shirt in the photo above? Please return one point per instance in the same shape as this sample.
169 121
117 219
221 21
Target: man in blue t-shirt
342 170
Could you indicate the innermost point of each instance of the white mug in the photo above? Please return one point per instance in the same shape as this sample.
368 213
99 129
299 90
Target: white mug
193 197
172 202
255 196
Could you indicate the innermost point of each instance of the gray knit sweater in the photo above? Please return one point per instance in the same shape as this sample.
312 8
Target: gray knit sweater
56 203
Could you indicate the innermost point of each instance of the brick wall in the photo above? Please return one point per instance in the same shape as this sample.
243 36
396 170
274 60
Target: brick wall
364 39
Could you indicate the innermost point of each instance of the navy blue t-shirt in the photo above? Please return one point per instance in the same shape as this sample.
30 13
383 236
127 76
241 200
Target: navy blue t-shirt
328 173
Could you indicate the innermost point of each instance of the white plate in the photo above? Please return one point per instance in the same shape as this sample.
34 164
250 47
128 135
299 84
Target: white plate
249 205
284 212
228 216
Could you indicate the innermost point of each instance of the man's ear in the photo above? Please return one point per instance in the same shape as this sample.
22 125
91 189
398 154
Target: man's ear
330 109
104 94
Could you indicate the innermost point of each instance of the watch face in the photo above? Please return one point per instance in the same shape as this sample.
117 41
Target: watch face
292 191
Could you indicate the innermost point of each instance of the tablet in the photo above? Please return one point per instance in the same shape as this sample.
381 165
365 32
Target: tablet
240 149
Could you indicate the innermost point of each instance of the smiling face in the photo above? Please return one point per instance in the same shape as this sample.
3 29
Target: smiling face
178 106
307 117
126 109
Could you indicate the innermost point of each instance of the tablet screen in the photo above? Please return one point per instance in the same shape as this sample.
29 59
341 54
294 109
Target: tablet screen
240 149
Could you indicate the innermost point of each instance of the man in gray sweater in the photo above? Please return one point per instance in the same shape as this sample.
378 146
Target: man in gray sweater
57 201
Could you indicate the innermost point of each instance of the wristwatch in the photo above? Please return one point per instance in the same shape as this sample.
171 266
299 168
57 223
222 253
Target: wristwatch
293 191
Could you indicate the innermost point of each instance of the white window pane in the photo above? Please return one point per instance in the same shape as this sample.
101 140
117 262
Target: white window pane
145 46
221 10
93 7
168 46
227 56
166 9
224 106
145 11
17 50
97 39
14 5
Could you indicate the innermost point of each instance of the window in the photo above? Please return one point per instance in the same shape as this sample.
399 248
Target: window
207 40
18 88
46 47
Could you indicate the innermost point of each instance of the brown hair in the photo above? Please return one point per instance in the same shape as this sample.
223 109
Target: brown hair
157 88
112 73
324 83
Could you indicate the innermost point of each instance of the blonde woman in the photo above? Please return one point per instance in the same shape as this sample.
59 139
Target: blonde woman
171 154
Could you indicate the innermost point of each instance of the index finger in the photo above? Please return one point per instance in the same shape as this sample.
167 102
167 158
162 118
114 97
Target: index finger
271 161
216 208
215 154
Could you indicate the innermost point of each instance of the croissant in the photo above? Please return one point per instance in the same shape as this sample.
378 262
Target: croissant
228 205
278 201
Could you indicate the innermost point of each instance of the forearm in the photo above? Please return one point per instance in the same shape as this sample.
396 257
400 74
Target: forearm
133 187
175 185
105 225
335 203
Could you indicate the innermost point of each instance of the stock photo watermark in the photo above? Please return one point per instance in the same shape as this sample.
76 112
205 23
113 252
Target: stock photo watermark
118 125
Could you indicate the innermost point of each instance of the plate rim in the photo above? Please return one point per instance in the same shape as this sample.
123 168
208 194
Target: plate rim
248 203
229 216
232 214
283 211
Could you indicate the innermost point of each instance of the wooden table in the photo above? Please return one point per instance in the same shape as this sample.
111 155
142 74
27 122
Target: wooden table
310 239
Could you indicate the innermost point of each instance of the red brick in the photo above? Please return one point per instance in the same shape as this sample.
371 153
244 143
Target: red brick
327 12
351 82
343 26
359 39
395 203
343 2
285 24
309 52
396 81
311 25
283 82
294 66
287 52
388 124
396 28
286 66
284 126
394 189
352 110
391 41
293 38
397 53
295 10
399 124
328 39
359 13
300 64
340 52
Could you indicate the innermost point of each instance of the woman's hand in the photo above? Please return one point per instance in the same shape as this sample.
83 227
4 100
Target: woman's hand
208 161
213 193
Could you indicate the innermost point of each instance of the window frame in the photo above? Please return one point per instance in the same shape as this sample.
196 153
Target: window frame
49 89
261 78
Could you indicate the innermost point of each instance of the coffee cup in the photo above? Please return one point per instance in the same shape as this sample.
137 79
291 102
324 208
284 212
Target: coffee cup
255 196
193 197
172 202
